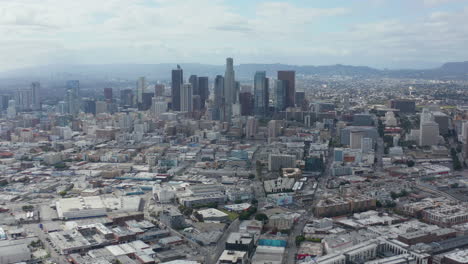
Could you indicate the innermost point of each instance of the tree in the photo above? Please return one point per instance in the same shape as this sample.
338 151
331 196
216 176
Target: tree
378 204
254 201
299 240
454 185
261 217
198 216
63 193
410 163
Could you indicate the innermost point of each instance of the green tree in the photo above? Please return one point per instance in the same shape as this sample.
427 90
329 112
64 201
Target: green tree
299 240
261 217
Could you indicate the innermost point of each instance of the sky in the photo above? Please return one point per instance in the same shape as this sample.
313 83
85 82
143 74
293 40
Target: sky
377 33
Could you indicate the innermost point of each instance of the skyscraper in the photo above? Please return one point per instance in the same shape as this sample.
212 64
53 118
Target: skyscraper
36 97
203 90
177 81
24 99
218 111
73 96
193 80
246 101
229 88
290 77
280 94
108 94
261 96
186 98
126 98
428 129
141 85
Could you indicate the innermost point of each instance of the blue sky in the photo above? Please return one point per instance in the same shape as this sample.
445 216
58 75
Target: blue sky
377 33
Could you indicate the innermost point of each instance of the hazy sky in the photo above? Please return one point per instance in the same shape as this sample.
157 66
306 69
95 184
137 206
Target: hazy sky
379 33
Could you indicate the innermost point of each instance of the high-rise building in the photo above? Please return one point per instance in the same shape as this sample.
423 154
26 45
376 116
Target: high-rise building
280 94
203 89
36 95
89 106
229 88
73 96
126 98
251 127
246 101
141 86
158 106
290 77
186 99
300 98
108 94
159 90
218 104
11 109
74 85
176 85
193 80
146 101
261 97
346 102
24 99
428 129
4 98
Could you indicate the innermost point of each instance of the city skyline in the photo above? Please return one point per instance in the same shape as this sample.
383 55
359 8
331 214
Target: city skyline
377 33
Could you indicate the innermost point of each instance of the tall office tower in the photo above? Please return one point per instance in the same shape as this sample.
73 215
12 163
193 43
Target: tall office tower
11 109
300 98
219 102
428 129
261 93
62 107
203 89
229 88
89 106
147 99
74 85
196 102
141 86
193 80
346 102
4 98
290 77
108 94
177 82
73 96
251 127
24 99
280 94
246 101
237 88
159 90
186 98
126 98
36 96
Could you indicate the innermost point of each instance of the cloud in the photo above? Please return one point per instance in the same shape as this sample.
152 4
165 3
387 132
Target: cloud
146 31
432 3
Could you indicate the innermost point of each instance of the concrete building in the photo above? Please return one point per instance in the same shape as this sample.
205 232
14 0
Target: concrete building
277 161
186 98
176 85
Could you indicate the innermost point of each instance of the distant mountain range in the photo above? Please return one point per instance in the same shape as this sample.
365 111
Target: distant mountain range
115 72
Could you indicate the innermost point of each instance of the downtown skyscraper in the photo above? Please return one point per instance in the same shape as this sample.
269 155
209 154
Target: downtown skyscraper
290 78
219 102
261 96
177 82
229 88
